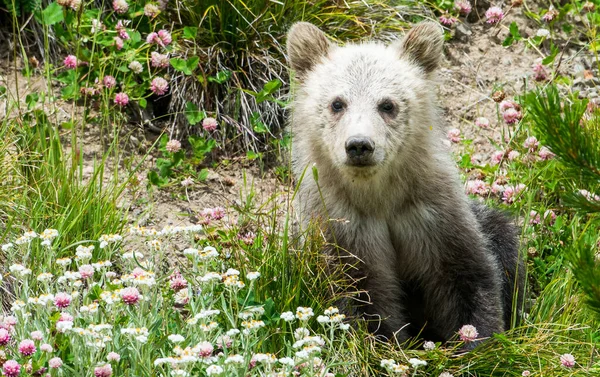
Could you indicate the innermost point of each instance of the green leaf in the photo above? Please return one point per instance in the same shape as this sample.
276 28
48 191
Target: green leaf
67 125
52 14
135 37
550 58
251 155
189 32
220 77
31 99
513 36
202 175
2 90
180 65
272 86
156 180
257 125
143 103
193 114
164 167
192 63
185 66
267 90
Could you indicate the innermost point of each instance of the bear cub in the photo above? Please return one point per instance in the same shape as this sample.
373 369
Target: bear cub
429 259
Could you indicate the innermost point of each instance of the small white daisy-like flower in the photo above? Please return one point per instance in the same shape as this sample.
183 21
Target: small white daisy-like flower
252 275
301 333
429 346
543 33
176 338
303 313
323 319
417 362
44 276
214 370
287 361
63 262
235 359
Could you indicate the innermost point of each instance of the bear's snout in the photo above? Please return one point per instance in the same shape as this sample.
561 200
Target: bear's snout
359 150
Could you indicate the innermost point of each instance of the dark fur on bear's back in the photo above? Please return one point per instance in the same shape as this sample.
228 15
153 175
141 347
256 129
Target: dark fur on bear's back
503 240
365 117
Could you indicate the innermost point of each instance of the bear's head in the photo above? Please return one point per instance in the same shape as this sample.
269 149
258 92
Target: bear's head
361 107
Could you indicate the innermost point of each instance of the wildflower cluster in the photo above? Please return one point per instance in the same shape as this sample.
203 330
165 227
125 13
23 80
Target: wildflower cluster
96 309
123 44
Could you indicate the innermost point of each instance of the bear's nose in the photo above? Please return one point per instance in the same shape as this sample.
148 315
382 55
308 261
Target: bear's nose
359 149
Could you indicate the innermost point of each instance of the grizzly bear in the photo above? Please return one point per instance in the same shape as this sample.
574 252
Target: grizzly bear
365 117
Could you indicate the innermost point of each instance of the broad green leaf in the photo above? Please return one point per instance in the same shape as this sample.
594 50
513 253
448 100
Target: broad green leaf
180 65
220 77
272 86
52 14
251 155
156 180
189 32
192 63
193 114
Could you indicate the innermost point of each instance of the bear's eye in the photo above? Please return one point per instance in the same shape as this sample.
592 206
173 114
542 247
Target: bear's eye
386 107
337 106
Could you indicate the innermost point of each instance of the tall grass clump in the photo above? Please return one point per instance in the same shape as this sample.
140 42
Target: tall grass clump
571 129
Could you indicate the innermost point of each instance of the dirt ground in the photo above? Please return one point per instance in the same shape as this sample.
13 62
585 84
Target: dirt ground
476 65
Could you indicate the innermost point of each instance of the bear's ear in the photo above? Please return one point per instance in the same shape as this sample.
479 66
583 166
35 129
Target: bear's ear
306 45
423 45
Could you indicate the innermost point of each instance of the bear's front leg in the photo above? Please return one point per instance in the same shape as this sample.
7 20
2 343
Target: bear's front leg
465 291
366 246
384 310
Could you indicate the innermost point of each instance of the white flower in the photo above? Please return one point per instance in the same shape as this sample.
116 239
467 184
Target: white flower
288 316
301 333
44 276
231 271
214 370
207 313
416 362
64 326
235 359
428 346
63 262
252 275
544 33
7 246
179 372
287 361
136 67
387 363
323 319
16 268
176 338
187 182
304 314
